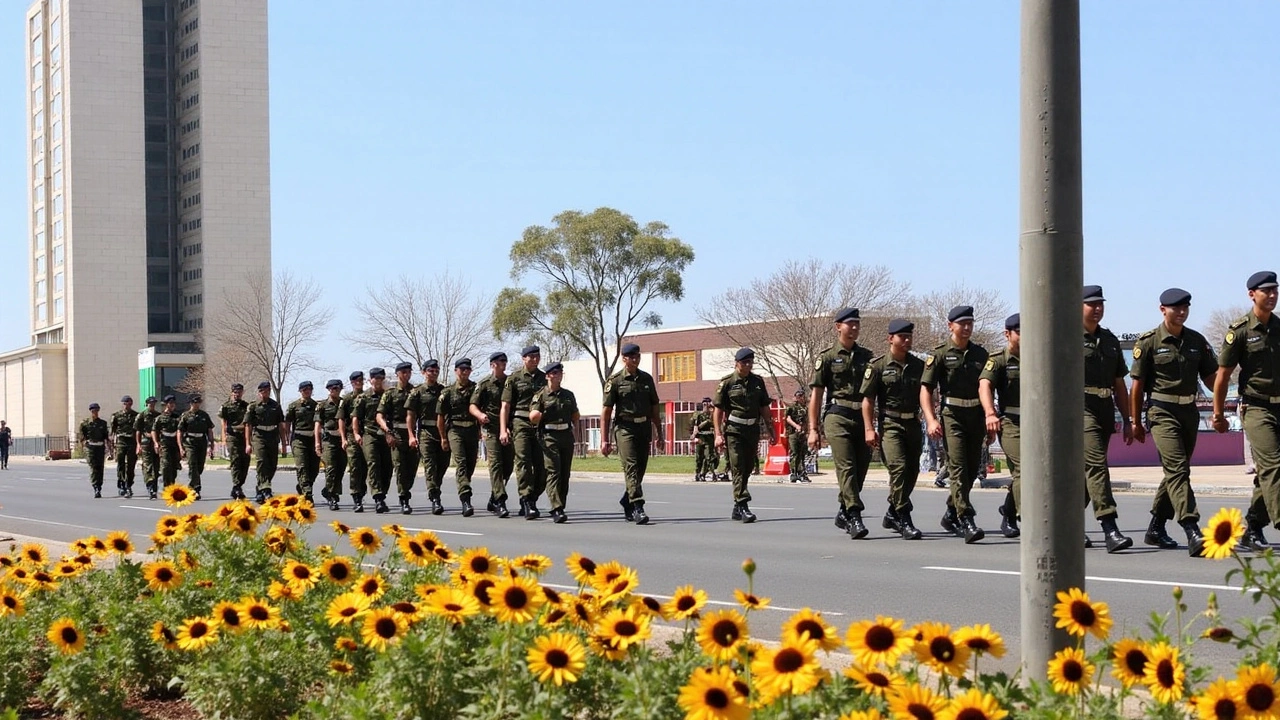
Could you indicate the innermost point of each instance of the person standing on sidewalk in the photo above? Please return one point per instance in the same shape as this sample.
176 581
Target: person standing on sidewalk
703 433
1001 377
6 439
797 419
1104 394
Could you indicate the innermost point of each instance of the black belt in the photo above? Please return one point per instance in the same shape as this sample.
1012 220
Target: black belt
1260 401
843 411
1171 406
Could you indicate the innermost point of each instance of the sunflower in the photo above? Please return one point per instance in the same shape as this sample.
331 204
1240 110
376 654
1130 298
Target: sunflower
1069 671
981 639
414 551
96 546
394 530
1222 700
1129 661
582 611
381 628
19 574
881 640
227 614
443 554
244 524
552 596
685 603
371 585
711 695
170 522
341 667
340 527
722 633
606 648
1260 691
1164 675
365 540
868 714
534 563
478 561
874 681
559 658
178 496
196 632
426 590
34 554
300 575
1218 633
345 644
282 591
553 616
65 636
481 590
581 567
1224 531
338 570
280 539
409 611
161 575
347 607
163 635
66 569
618 585
119 543
187 560
303 514
648 605
623 628
918 703
11 603
749 601
939 650
83 560
974 705
809 625
453 604
1078 615
516 600
257 614
791 669
42 580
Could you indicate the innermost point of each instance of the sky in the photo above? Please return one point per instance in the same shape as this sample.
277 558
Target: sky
427 135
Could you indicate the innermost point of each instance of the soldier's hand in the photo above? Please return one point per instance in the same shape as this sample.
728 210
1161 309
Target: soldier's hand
935 429
504 437
1220 424
318 450
1127 431
444 444
1140 433
413 441
873 438
392 440
719 443
248 449
993 425
606 447
815 441
344 444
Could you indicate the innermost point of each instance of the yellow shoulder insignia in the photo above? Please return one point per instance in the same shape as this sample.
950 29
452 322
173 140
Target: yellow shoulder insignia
1231 337
1137 351
608 386
929 360
818 365
868 372
990 364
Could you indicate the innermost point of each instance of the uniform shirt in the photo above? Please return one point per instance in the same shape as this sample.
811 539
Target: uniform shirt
347 411
455 401
366 411
327 412
394 407
423 402
632 397
145 424
840 371
233 412
301 416
1103 360
1003 371
94 430
1254 346
195 426
122 424
487 396
741 397
557 406
954 371
521 386
1173 365
167 423
894 385
264 412
703 423
799 413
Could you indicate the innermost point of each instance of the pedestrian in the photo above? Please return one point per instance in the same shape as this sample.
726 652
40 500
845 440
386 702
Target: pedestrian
486 405
797 419
357 468
195 438
516 430
262 435
1252 342
702 432
331 442
6 440
891 390
1001 378
393 420
1104 393
164 433
742 405
147 452
459 432
95 440
423 403
299 432
839 372
952 368
554 412
231 415
630 421
123 422
373 440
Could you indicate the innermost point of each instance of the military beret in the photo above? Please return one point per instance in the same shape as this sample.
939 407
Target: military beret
404 366
1013 322
706 399
1262 279
631 349
305 385
334 383
799 393
432 363
170 398
901 326
498 357
356 375
960 313
126 399
236 386
553 367
264 385
530 350
744 354
847 315
195 399
1093 293
1174 297
151 399
462 363
95 406
377 372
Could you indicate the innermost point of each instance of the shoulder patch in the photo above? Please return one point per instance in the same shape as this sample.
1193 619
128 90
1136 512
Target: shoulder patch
929 360
1231 336
867 374
608 386
1137 351
818 365
990 364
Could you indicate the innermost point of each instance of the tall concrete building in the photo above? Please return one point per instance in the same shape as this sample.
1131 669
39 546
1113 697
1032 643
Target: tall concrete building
149 189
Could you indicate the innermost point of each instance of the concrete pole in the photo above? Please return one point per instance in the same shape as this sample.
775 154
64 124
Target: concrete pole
1051 275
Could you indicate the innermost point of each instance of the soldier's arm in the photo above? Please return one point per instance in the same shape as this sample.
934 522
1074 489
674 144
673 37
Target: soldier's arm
1208 365
444 434
1221 384
869 420
503 414
987 396
815 411
411 419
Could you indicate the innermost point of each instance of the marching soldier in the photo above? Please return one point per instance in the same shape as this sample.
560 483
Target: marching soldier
554 411
742 405
95 439
425 436
123 422
299 431
486 405
262 420
630 420
195 438
331 442
703 433
231 416
515 429
372 439
797 419
891 386
147 446
357 468
164 433
839 372
1104 393
1168 364
393 420
459 432
953 368
1002 377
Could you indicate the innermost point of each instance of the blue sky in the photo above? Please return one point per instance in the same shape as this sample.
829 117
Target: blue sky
427 135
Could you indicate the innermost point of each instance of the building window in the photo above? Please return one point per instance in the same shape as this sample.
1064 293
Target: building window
55 133
678 367
37 145
57 229
42 313
40 170
57 206
40 265
57 154
55 56
57 282
55 105
55 80
58 305
38 195
37 97
42 288
37 72
40 217
57 180
37 47
37 124
35 23
40 240
55 30
57 257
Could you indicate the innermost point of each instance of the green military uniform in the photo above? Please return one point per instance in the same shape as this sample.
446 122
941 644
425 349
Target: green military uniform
357 468
1104 363
377 454
263 419
423 403
745 403
332 452
518 393
123 423
632 398
558 408
166 429
463 432
798 440
301 417
147 449
1254 346
487 397
394 409
954 372
894 387
94 433
704 439
232 411
840 372
1003 370
195 425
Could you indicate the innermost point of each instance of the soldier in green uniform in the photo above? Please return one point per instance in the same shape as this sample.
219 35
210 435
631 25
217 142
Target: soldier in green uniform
195 438
1168 364
953 368
331 442
123 422
231 415
299 432
554 411
515 429
703 433
741 405
1001 377
1104 393
459 432
424 435
357 469
1252 342
262 420
797 419
486 404
164 434
147 445
630 411
393 420
838 372
95 439
891 388
373 440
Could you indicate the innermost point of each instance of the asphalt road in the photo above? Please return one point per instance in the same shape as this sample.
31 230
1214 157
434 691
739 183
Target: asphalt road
803 560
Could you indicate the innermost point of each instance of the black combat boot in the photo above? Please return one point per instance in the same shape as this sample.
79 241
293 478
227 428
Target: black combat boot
501 508
891 521
625 502
743 513
1156 535
531 509
857 529
467 510
951 523
357 503
908 528
972 533
405 508
436 507
1195 538
842 519
1253 538
638 514
1115 541
1009 518
380 504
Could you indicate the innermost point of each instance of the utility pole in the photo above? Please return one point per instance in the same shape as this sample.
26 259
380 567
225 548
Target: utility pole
1051 270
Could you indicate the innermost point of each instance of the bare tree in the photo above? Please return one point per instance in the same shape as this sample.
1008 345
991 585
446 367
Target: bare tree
989 312
223 366
273 325
786 317
1214 328
417 319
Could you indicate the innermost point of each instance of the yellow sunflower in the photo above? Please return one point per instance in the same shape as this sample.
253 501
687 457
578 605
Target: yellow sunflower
1224 531
11 603
453 604
341 667
878 641
382 627
257 614
939 650
974 705
34 554
365 540
1129 661
722 633
917 703
187 560
1222 700
283 591
749 601
410 612
280 539
19 574
1260 691
1165 675
339 570
553 615
615 586
552 596
161 575
414 551
582 611
97 546
303 514
243 524
648 605
1069 671
66 569
516 600
685 604
227 614
300 575
345 608
981 639
1079 615
371 585
65 636
163 635
874 681
196 632
791 669
478 561
534 563
83 560
809 625
559 658
177 496
582 568
711 694
623 628
345 644
606 573
118 542
429 540
42 580
481 589
443 554
340 527
868 714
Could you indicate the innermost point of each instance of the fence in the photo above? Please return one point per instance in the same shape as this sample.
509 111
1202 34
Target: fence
39 445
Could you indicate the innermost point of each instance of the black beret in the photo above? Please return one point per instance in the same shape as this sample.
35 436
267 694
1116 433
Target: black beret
356 375
745 353
847 314
462 363
960 313
1262 279
496 357
1093 293
170 398
404 366
151 399
305 384
1013 322
334 383
531 350
264 385
377 372
1174 297
126 399
432 363
901 326
195 399
706 399
236 386
630 349
553 367
799 393
95 406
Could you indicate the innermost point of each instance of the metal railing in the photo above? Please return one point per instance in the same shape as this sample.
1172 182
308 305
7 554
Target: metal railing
38 445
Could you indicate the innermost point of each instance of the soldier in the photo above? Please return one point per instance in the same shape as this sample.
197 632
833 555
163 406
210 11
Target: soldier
262 420
554 411
123 422
486 404
95 440
393 420
6 439
891 384
195 438
1104 392
164 434
147 446
357 469
630 408
1001 376
425 436
839 371
300 433
741 406
703 433
515 429
953 368
1252 342
459 432
1168 364
373 440
797 419
331 442
231 416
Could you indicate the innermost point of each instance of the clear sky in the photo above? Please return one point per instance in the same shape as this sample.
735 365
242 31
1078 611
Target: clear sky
412 136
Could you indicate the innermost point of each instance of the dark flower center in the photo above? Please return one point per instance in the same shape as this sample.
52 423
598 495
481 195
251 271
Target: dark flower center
878 679
1259 697
1082 612
415 549
70 635
230 617
1135 661
1225 709
257 612
366 539
1072 671
1164 674
788 660
920 712
716 698
515 598
942 649
587 566
978 644
625 628
880 638
339 571
685 603
557 658
198 630
164 575
385 628
302 572
348 611
811 629
480 564
725 633
406 608
482 591
971 714
1222 533
453 607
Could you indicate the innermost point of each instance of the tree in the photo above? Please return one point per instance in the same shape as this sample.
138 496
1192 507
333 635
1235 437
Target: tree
597 275
787 317
1215 330
223 366
989 312
440 317
273 325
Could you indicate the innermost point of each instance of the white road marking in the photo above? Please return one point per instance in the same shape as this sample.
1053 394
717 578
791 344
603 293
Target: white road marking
765 507
1100 578
50 522
709 602
447 532
148 509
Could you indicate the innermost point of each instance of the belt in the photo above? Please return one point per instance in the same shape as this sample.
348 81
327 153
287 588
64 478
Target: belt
265 428
124 437
333 433
1263 400
556 426
463 423
632 418
1012 410
855 404
962 402
237 428
522 414
902 415
374 433
1175 399
168 434
742 420
306 433
400 426
95 443
1098 392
